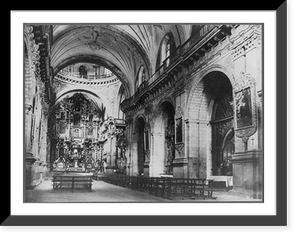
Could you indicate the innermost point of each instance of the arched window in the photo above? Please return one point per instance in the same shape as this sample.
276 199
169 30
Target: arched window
167 48
140 76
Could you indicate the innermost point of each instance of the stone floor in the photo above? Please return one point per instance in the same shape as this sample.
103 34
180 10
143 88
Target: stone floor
104 192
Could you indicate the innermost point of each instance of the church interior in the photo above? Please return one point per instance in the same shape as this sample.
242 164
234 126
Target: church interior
145 101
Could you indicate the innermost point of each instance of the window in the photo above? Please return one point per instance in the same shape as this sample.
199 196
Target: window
140 77
165 52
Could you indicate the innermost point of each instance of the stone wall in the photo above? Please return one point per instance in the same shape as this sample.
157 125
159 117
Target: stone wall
239 52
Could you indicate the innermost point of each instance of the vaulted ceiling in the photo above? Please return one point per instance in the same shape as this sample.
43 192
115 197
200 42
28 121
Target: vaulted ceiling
120 48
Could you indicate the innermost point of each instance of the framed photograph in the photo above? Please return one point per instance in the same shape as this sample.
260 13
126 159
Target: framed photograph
141 118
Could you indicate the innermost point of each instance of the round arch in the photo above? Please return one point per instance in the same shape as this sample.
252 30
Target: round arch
196 97
137 118
166 48
91 95
128 87
166 100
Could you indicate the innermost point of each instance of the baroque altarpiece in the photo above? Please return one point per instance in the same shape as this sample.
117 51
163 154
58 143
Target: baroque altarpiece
81 131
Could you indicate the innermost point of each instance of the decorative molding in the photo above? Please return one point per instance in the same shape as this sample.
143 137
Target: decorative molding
180 148
246 40
148 109
179 112
147 126
224 127
38 62
147 155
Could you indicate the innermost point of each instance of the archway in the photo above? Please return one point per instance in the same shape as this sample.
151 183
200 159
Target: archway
219 89
210 113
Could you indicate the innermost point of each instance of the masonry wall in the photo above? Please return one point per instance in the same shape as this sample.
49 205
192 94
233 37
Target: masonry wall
238 53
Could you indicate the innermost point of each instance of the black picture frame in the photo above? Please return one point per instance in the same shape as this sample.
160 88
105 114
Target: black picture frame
280 219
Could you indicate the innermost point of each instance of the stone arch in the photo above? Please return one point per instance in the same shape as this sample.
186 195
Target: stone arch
168 37
200 105
166 99
195 96
179 32
93 96
127 84
139 116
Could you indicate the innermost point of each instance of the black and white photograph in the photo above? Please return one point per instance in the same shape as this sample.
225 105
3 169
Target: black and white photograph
147 118
143 113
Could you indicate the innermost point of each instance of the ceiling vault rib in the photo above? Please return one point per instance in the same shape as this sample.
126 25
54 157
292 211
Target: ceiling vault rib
147 39
138 37
144 38
178 34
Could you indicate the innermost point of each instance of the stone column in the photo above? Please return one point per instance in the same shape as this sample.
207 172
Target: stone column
29 158
157 154
29 166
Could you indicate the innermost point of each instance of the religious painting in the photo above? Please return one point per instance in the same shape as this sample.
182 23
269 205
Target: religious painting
243 108
179 130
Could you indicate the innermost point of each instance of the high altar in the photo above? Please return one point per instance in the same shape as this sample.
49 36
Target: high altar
85 137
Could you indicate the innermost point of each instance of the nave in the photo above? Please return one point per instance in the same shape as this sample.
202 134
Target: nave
103 192
182 101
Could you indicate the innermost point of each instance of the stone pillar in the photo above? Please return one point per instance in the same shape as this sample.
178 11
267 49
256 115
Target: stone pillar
29 158
192 148
111 156
28 117
134 155
29 166
157 154
129 139
245 171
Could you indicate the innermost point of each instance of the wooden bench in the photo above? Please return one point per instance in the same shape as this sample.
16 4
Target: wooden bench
202 188
72 181
166 187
